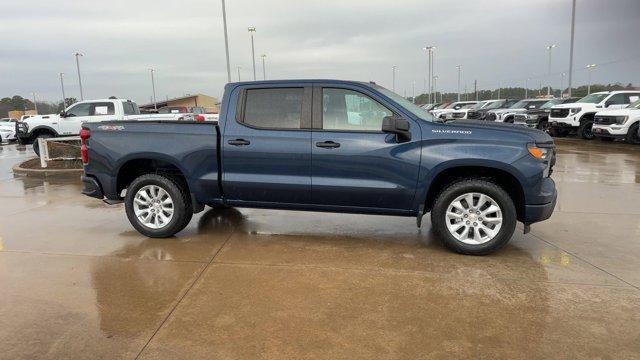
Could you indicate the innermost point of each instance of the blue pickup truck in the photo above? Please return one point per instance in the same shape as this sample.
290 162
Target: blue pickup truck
325 145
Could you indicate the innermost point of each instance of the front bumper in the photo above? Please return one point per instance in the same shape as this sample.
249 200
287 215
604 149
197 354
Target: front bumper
539 212
571 121
91 187
610 131
7 135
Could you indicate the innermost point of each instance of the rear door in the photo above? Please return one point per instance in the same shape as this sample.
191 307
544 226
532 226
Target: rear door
267 146
355 164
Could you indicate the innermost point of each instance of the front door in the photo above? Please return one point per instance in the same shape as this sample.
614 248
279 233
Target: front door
355 164
267 147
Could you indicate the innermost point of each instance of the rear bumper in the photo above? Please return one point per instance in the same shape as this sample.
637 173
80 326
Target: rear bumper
91 187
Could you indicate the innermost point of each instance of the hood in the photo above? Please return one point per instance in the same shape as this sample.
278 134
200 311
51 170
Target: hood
36 118
574 105
507 110
7 125
537 136
618 112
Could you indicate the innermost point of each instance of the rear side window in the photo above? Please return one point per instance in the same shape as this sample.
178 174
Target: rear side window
618 99
99 109
130 108
279 108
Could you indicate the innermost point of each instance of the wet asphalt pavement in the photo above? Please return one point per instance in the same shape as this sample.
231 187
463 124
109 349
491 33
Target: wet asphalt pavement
76 281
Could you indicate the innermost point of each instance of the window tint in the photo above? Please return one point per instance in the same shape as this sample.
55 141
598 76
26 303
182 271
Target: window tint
279 108
618 99
130 108
102 109
350 110
79 110
631 98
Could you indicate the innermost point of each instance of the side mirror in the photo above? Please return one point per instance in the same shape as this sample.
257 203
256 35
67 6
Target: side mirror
397 125
63 114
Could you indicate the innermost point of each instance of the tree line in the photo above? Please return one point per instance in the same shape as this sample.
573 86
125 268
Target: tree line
17 102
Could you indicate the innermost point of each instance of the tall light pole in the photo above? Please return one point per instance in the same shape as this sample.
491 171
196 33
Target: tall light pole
77 54
35 104
252 30
153 87
429 50
590 68
64 98
562 84
435 89
413 91
573 26
526 88
393 77
549 48
499 88
459 67
264 71
226 40
238 68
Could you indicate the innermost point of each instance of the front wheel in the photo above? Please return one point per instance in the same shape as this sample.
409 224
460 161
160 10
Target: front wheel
585 130
633 136
157 205
474 217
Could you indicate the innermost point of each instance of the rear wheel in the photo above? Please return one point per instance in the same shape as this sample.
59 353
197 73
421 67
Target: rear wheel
633 137
585 130
474 217
36 147
157 205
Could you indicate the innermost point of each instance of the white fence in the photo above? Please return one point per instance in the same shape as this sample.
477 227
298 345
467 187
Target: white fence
43 146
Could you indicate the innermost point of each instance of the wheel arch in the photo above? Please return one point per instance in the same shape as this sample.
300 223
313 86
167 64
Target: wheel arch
500 175
43 129
137 165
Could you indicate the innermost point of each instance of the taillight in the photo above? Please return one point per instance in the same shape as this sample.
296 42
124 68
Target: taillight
200 118
85 134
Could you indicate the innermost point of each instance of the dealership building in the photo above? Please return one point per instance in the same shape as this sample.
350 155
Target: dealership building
210 103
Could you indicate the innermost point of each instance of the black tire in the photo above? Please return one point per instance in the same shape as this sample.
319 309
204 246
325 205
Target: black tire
509 120
559 133
633 136
585 130
483 186
543 125
36 148
183 210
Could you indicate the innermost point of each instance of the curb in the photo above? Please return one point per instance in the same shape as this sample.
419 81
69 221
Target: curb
19 170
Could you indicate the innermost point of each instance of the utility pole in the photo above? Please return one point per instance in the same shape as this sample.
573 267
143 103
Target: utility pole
549 48
238 68
526 88
466 94
64 98
226 41
153 86
78 54
393 77
499 88
429 50
590 67
264 71
35 104
459 67
435 89
475 88
562 85
573 26
413 92
252 31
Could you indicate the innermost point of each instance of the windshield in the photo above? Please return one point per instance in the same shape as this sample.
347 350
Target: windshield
408 105
479 105
520 104
550 103
634 105
593 98
495 105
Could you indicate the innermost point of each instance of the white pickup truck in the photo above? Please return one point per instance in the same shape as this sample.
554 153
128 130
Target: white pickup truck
619 124
69 121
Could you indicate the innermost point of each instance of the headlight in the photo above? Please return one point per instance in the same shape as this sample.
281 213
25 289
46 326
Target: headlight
573 111
620 120
540 153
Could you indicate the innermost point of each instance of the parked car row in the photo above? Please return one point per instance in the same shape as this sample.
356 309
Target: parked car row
607 115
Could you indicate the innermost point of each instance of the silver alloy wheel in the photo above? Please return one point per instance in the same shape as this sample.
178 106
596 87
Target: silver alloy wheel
474 218
153 206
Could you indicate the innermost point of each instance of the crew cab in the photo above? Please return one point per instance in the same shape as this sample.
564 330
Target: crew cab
507 115
447 112
325 145
539 118
480 114
619 124
578 116
69 121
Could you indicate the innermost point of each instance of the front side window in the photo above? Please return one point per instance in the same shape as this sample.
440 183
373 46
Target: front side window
344 109
79 110
130 108
276 108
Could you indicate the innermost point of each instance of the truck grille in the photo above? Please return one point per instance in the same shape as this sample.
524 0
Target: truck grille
520 117
559 113
473 115
457 115
604 120
491 117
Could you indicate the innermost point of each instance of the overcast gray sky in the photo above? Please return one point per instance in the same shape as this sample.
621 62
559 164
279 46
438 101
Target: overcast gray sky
494 40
